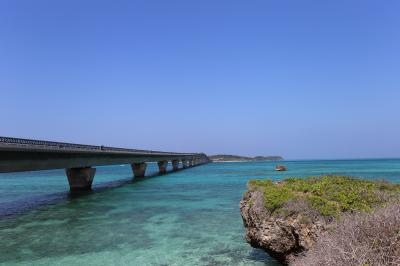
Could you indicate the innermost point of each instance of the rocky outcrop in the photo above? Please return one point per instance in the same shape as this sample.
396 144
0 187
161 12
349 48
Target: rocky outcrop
280 168
282 236
308 216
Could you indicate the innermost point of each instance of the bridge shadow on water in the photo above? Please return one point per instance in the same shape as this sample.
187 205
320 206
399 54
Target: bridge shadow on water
11 209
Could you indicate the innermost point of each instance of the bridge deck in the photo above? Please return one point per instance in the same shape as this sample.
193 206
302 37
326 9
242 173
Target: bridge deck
27 155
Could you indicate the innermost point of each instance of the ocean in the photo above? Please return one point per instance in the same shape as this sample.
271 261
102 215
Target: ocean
190 217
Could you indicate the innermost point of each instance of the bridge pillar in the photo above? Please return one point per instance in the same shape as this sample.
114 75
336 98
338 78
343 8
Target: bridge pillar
185 163
139 169
80 179
162 167
191 163
175 165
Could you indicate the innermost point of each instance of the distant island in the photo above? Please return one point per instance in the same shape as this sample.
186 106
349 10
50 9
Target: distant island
237 158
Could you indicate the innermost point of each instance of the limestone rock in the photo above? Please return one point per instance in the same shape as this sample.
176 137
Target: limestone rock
282 237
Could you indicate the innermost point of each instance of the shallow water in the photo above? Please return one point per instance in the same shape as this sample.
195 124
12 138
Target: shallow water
190 217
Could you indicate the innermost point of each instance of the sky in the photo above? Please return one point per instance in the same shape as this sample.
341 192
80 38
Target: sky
301 79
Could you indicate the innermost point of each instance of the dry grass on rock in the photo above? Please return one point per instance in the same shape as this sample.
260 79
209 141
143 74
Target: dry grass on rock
365 239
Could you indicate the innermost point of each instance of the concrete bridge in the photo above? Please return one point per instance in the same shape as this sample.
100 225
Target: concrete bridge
17 155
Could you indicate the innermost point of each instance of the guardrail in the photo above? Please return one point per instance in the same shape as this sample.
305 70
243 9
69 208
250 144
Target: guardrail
70 146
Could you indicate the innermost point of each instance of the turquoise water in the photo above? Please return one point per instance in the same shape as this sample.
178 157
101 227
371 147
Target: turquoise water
190 217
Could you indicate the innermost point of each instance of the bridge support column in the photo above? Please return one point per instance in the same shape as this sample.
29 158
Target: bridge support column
139 169
191 163
175 165
162 167
185 163
80 179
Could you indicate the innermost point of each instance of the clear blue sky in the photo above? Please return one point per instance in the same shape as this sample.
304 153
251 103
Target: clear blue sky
301 79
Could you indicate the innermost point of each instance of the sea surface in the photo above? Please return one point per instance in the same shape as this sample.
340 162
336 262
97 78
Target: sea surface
189 217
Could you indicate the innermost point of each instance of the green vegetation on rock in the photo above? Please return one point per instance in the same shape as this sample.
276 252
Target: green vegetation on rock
330 195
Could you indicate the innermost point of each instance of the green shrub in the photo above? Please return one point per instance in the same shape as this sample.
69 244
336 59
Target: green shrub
324 206
330 195
275 197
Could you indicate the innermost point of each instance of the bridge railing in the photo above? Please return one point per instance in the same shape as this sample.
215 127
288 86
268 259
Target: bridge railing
70 146
47 144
